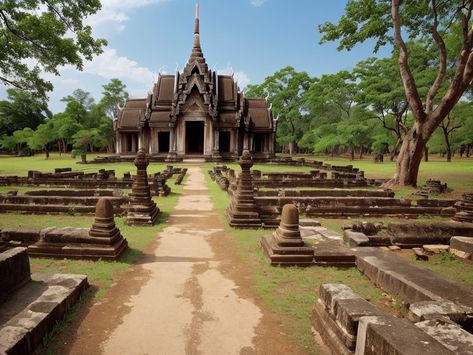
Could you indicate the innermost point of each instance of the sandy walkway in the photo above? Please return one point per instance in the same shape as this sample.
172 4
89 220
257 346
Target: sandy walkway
187 305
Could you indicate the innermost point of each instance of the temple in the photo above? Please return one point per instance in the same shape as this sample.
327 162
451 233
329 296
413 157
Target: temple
196 113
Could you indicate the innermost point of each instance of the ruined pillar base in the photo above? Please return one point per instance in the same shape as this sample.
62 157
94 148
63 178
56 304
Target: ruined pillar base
142 215
172 157
286 256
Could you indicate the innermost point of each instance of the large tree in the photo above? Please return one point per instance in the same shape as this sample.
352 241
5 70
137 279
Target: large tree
284 90
434 22
21 109
42 35
114 94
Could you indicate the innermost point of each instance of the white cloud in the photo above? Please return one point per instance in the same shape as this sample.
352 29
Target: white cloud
110 65
241 77
257 3
115 11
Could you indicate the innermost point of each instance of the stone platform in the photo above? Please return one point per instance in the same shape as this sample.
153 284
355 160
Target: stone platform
30 310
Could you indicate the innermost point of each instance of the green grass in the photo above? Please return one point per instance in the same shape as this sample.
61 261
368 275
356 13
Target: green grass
450 267
291 292
11 165
458 174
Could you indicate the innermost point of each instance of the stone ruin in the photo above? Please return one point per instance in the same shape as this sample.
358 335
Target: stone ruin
242 212
32 304
102 241
348 324
82 201
431 187
142 210
159 187
181 176
285 246
464 209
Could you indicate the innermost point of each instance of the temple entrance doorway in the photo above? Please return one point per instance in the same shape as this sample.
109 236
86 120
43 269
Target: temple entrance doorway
195 137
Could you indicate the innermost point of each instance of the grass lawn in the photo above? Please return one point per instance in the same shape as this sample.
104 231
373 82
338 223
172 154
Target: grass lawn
458 174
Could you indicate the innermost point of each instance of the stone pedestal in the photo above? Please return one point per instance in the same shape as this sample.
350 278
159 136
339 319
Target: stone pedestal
242 212
142 210
102 241
285 246
464 208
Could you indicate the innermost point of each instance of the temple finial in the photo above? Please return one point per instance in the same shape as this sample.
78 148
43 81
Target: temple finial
197 9
196 26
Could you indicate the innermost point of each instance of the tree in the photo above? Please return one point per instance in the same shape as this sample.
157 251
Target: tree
85 139
381 90
114 94
21 138
21 109
47 33
284 90
435 22
335 93
42 137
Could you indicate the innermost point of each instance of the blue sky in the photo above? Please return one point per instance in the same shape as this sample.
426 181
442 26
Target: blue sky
253 38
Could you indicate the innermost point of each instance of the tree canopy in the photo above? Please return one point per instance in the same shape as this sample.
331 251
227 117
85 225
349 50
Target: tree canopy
41 36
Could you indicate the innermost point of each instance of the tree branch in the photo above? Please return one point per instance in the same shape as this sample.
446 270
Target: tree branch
443 62
18 34
408 80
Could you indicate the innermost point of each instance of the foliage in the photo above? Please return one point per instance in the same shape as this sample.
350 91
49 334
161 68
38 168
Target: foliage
42 35
284 90
114 94
21 109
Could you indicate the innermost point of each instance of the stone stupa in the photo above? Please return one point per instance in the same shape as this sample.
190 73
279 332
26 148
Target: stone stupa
285 246
142 210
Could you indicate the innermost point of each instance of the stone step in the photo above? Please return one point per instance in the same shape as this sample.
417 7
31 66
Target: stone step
32 311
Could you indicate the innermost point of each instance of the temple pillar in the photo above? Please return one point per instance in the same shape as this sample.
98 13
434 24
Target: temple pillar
246 141
215 144
235 141
172 155
133 142
118 143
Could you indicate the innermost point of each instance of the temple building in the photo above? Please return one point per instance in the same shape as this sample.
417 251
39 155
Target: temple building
196 113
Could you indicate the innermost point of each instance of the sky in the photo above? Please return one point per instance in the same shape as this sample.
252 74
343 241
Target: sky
251 38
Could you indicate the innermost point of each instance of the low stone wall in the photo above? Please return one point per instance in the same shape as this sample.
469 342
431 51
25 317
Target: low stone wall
75 193
14 271
325 193
56 204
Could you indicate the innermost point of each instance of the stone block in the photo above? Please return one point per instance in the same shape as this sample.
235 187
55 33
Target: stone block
449 334
355 239
462 247
426 310
390 335
14 270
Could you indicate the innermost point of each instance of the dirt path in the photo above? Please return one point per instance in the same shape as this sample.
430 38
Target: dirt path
187 296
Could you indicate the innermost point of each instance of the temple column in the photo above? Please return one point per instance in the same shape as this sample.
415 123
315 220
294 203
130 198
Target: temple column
245 141
118 143
215 151
235 141
133 142
172 155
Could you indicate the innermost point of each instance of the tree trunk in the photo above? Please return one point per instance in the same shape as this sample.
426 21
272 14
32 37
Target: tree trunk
447 144
291 148
361 153
83 158
352 153
394 150
46 151
409 158
426 154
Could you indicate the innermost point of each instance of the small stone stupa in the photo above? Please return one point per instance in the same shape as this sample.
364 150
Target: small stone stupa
142 209
285 246
242 212
464 208
102 241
